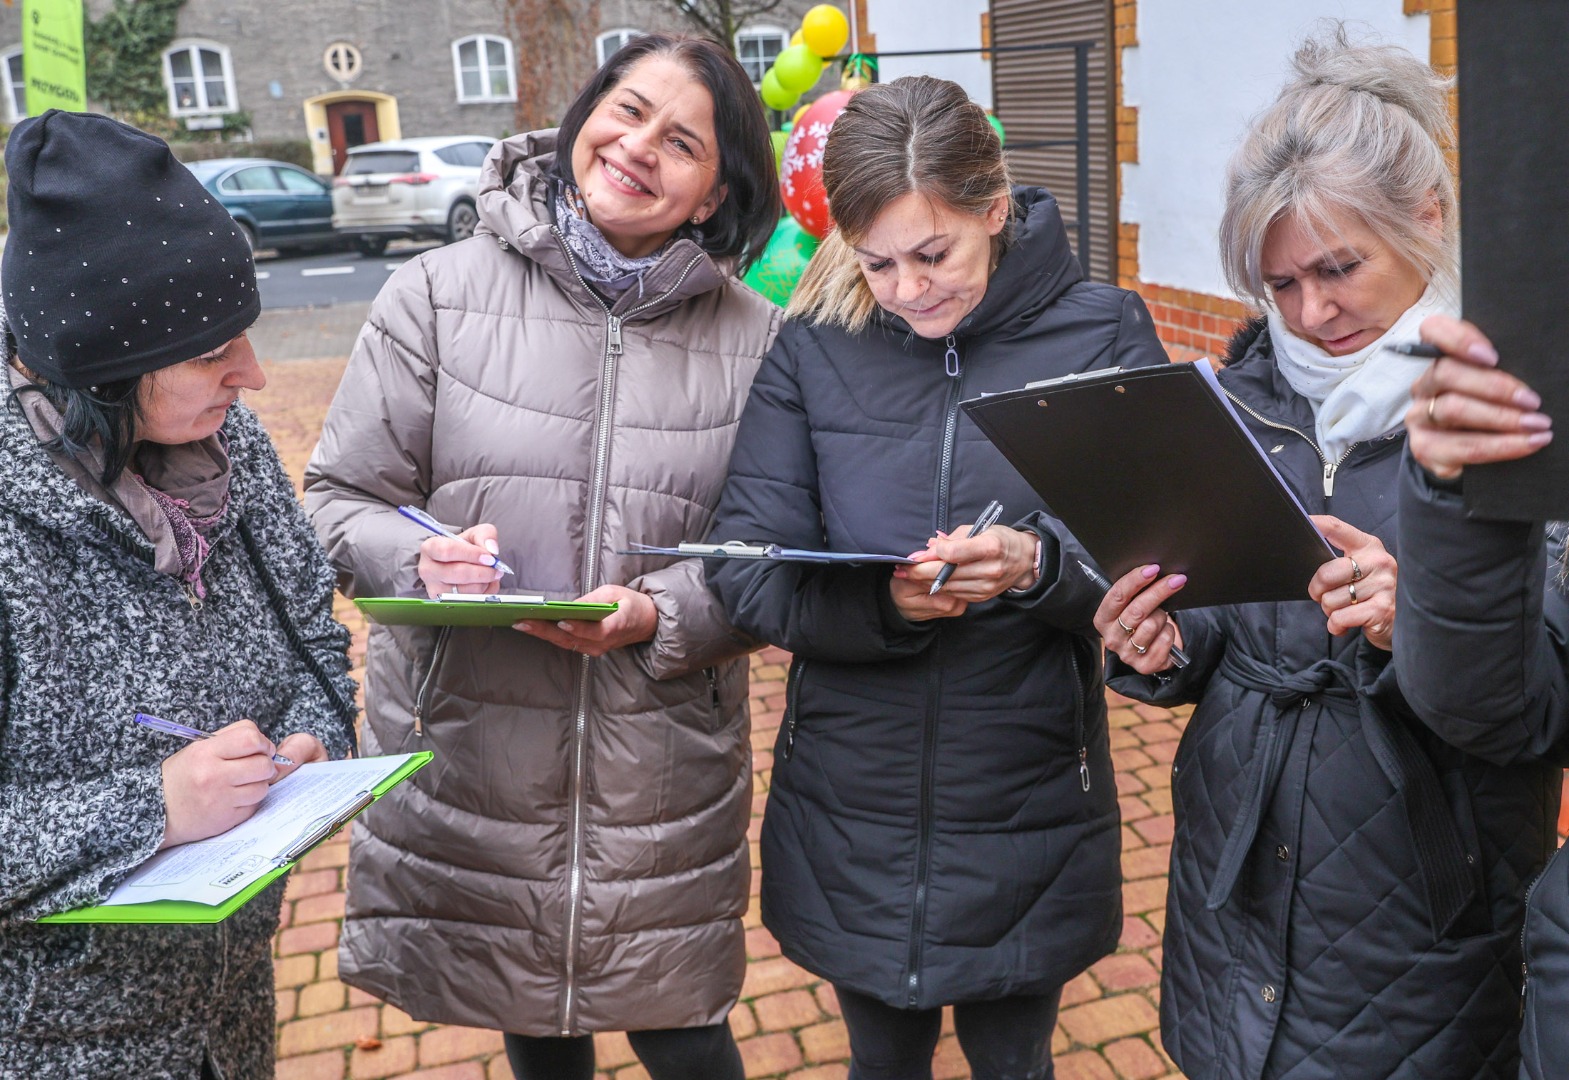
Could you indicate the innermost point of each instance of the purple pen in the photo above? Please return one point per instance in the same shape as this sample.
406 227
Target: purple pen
169 727
425 521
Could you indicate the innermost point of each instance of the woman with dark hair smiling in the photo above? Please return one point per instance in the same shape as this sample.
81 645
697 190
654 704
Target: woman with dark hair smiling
565 382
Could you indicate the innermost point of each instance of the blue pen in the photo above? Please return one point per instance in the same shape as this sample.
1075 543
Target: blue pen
169 727
419 517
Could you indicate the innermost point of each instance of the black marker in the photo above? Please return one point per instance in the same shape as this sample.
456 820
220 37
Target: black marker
1179 659
1420 349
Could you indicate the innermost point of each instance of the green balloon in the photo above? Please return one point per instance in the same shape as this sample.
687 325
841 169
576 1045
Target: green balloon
776 96
779 139
783 261
797 69
1002 136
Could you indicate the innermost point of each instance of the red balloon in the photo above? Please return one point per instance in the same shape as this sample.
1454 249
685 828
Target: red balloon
801 172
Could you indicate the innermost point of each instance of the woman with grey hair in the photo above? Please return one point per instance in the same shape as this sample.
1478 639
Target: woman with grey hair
1346 880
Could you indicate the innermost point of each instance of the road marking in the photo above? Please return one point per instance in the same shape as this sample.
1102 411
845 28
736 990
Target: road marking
319 271
262 275
394 266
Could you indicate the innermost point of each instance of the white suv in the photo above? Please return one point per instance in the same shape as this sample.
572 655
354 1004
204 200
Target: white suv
409 188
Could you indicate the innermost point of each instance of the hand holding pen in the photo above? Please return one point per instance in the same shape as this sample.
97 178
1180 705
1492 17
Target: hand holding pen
987 519
219 778
1132 622
464 561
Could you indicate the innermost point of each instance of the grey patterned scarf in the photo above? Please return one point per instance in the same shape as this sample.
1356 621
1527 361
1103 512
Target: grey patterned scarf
597 260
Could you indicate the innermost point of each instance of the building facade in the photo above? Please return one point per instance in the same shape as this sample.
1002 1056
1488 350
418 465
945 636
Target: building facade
338 73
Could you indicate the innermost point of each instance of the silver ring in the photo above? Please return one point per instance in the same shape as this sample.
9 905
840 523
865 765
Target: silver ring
1431 403
1353 588
1140 649
1356 571
1126 629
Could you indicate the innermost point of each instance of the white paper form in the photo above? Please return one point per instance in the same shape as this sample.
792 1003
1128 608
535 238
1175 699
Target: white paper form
210 871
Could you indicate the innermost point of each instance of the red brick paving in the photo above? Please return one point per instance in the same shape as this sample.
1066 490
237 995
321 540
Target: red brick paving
787 1022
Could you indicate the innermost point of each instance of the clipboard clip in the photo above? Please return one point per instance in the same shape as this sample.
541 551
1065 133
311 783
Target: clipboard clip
731 549
316 833
493 598
1098 373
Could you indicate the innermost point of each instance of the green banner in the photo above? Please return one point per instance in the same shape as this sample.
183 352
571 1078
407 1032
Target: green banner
53 62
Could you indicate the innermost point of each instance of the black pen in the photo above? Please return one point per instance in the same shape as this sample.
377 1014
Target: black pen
1419 349
1179 659
987 519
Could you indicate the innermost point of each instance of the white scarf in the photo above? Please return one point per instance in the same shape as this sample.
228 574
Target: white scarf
1354 400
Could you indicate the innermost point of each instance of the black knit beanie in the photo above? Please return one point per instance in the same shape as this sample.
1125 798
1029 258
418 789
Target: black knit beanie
118 262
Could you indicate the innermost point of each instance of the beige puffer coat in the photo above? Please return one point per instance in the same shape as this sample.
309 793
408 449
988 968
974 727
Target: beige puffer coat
575 858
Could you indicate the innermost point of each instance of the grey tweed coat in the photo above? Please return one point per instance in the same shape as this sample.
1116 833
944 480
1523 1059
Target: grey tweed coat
89 634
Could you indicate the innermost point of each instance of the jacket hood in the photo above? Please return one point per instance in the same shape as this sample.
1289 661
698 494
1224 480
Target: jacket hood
515 205
1037 268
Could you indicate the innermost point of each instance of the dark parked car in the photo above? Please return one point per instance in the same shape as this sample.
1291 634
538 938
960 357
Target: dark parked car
278 205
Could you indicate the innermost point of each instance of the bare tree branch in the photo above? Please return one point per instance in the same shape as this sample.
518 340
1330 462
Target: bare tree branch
718 19
553 44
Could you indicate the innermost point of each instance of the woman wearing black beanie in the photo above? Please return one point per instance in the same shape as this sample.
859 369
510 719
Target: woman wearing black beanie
152 558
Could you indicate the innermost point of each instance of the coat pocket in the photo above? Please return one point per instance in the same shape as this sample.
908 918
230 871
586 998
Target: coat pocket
785 750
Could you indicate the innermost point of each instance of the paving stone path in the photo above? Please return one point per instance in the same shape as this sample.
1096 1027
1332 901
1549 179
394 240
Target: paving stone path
788 1021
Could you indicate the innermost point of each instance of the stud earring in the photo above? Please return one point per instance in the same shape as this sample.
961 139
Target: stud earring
697 219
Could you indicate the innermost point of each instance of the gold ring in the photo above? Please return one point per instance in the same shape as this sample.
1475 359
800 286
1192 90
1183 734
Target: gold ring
1356 571
1126 629
1353 588
1431 402
1140 649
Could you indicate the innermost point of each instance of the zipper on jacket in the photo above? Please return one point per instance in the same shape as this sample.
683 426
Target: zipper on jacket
953 366
1525 967
712 674
1330 467
422 698
591 541
792 714
1078 717
923 854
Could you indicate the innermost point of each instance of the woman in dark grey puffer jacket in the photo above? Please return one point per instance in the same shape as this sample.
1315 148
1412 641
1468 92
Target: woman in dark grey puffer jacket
153 557
1346 882
1483 641
942 826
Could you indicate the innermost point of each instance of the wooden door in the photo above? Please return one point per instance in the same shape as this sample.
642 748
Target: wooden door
350 123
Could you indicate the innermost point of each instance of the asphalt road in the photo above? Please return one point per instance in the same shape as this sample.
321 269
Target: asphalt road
341 277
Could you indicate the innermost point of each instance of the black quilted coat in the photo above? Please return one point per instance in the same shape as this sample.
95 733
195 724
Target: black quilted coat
1346 885
942 824
1482 646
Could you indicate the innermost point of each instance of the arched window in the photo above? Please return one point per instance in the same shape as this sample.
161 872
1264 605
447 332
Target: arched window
611 41
757 46
483 67
199 77
15 87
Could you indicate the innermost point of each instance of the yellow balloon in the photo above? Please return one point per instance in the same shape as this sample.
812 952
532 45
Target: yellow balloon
796 39
825 30
796 119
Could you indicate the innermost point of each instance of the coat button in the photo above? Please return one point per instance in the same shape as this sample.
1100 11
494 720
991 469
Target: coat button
1283 853
1268 994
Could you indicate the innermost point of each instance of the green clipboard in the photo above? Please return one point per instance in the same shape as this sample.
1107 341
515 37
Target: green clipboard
185 911
410 611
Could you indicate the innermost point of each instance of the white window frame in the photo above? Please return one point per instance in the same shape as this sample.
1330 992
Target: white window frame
480 41
623 34
194 46
12 112
777 33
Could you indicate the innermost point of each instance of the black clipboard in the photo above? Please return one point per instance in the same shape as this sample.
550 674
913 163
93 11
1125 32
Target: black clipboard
1514 195
1206 502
